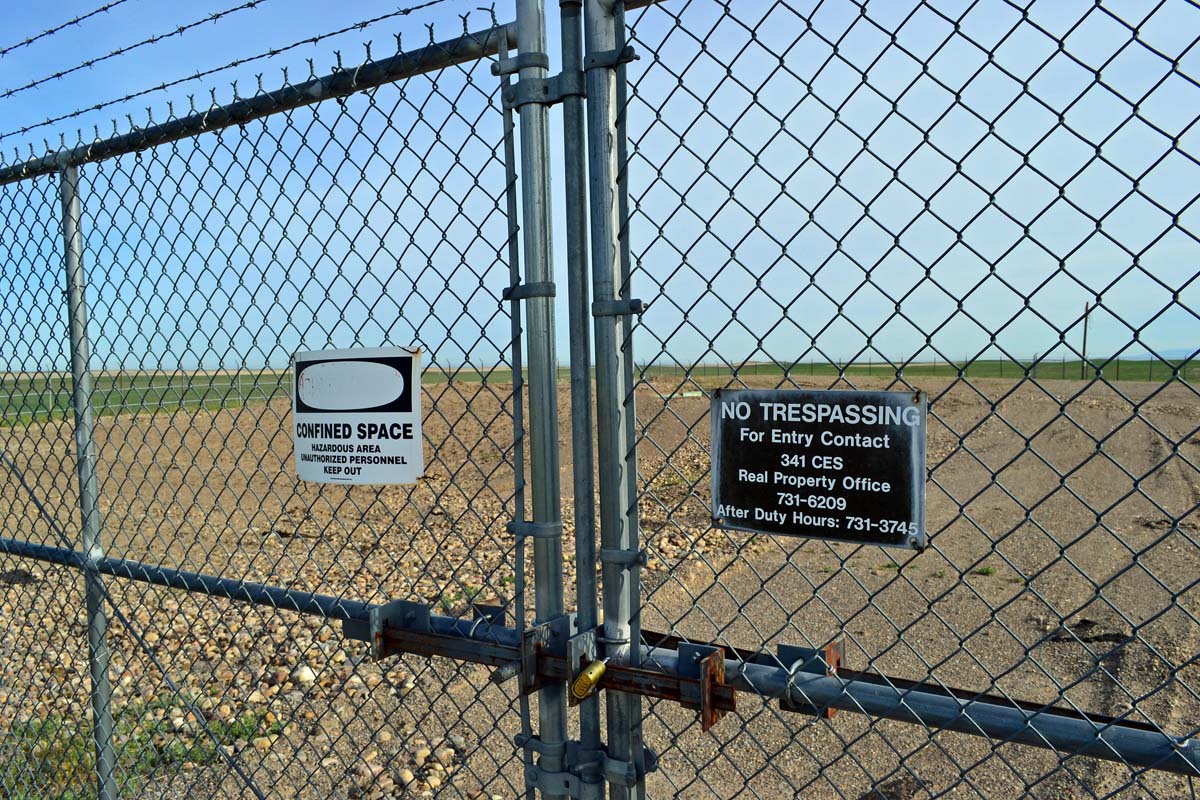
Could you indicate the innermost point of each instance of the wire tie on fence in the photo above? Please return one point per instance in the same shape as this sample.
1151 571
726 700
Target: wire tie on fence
1184 747
794 698
607 59
523 291
535 530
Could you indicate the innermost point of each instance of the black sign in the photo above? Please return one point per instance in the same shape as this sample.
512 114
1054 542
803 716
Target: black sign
841 465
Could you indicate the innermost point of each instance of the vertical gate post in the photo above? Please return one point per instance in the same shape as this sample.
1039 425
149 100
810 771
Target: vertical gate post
583 456
618 535
89 498
629 446
543 374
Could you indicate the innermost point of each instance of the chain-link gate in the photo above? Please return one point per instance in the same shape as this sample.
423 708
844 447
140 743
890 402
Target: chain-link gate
910 196
201 253
917 196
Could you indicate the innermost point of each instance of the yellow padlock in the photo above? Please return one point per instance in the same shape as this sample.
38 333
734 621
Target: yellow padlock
585 683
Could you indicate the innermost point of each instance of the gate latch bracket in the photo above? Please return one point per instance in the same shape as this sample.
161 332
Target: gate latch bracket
565 783
552 784
704 664
588 763
508 66
544 91
548 638
396 615
535 530
581 766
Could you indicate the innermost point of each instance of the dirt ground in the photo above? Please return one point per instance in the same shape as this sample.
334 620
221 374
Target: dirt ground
1062 568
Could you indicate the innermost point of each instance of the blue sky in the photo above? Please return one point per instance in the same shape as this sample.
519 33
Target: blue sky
782 207
853 161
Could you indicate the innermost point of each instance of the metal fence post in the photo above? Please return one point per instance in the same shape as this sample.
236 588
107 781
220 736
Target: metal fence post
89 498
583 456
618 536
543 373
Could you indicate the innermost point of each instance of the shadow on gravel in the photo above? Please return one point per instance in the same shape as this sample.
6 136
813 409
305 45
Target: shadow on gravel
17 577
903 788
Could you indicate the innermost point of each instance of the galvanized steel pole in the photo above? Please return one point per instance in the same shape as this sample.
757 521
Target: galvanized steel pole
624 291
89 496
617 535
511 204
543 373
583 458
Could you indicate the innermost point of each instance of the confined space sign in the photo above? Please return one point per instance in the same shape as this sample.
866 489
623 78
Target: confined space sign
841 465
357 416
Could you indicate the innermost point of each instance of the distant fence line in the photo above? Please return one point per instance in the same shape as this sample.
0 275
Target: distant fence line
126 391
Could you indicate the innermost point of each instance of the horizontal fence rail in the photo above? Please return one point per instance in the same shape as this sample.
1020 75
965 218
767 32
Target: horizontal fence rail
855 691
460 50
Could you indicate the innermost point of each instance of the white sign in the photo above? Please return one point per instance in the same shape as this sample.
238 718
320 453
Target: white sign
357 415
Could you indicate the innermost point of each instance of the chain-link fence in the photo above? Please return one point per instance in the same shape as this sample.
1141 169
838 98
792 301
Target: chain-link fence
916 196
909 196
211 251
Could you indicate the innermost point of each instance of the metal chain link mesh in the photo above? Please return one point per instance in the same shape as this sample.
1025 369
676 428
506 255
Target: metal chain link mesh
826 194
919 195
378 219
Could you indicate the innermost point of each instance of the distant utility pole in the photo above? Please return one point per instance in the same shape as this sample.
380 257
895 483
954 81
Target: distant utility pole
1087 307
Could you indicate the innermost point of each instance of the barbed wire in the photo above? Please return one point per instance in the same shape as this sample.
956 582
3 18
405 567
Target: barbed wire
215 70
51 31
123 50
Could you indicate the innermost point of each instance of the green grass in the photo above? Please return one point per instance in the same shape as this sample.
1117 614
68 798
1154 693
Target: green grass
37 397
1124 369
29 397
984 571
56 757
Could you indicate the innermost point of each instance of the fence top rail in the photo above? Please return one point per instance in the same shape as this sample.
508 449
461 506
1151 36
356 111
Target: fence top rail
434 56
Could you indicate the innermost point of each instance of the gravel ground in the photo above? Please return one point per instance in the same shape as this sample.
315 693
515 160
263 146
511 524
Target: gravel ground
213 698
